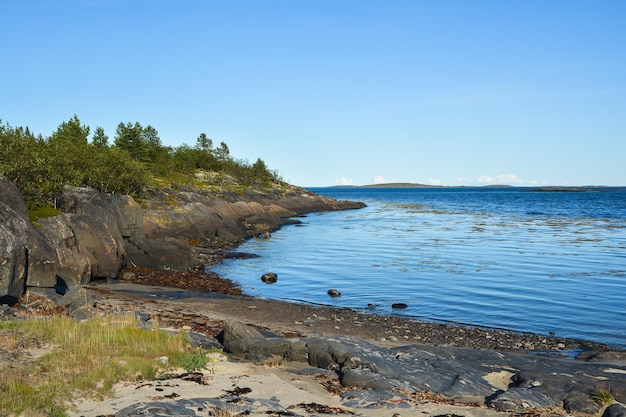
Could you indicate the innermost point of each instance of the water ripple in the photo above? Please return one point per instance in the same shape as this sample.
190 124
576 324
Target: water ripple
540 263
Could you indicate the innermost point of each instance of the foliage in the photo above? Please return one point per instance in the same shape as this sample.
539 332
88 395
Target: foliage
100 139
40 167
88 359
603 397
23 162
42 213
194 361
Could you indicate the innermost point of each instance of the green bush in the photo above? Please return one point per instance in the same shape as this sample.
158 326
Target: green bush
40 167
194 361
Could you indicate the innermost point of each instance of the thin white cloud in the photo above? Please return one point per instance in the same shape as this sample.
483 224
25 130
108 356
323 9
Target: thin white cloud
379 179
434 181
344 181
500 179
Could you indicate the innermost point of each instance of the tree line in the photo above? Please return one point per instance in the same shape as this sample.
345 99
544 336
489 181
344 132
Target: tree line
41 166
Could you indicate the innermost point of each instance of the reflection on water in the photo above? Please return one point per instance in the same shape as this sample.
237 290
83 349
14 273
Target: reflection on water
538 262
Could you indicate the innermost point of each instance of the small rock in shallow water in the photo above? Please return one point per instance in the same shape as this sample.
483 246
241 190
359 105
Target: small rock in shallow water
334 293
371 306
269 278
399 305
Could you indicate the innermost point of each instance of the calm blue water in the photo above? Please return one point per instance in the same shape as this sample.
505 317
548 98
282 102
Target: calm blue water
538 262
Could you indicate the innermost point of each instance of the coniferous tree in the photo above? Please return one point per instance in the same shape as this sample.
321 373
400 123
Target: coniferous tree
222 153
69 156
204 143
129 137
100 139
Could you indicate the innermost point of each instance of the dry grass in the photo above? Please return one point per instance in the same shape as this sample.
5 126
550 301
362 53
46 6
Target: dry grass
88 358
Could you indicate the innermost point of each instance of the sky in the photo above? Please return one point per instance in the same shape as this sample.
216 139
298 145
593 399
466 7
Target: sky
332 92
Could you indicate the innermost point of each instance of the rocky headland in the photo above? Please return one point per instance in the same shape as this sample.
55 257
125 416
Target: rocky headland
171 228
110 253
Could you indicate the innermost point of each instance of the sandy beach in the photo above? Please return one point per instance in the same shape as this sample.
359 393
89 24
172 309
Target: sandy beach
231 386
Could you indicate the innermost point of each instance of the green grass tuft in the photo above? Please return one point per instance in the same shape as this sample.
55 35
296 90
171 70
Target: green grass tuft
42 213
603 397
87 360
193 362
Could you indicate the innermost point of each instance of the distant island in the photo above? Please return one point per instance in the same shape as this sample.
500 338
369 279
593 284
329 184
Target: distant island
551 188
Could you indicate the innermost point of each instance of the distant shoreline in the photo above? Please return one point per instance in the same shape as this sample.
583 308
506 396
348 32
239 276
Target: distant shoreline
551 188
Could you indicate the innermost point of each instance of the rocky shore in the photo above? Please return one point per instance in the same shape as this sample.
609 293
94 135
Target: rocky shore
343 361
109 254
96 235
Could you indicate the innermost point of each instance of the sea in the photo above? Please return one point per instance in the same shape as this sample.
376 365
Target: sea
512 258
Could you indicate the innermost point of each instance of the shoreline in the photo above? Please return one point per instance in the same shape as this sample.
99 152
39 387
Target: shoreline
305 317
480 356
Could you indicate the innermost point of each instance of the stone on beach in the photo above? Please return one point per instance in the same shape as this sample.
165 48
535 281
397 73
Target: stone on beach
269 278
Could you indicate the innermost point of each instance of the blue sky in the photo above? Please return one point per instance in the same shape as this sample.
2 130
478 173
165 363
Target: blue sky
338 92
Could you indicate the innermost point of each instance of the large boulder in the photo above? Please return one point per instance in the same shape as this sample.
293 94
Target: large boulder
86 247
13 199
615 410
13 257
26 258
119 212
160 254
119 221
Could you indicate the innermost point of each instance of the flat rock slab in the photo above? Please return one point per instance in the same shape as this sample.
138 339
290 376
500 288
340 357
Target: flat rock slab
469 375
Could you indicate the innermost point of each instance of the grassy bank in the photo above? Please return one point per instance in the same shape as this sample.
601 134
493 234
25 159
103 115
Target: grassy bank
68 359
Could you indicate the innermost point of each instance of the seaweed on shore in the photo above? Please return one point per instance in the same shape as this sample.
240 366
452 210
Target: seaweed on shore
188 280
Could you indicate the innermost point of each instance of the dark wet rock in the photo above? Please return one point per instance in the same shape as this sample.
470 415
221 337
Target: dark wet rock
198 340
334 293
519 399
234 330
399 305
601 356
238 255
175 254
290 349
615 410
460 373
269 278
229 405
246 341
580 402
363 377
180 408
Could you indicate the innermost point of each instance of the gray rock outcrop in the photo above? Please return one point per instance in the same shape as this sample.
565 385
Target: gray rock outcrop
26 258
505 381
99 234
